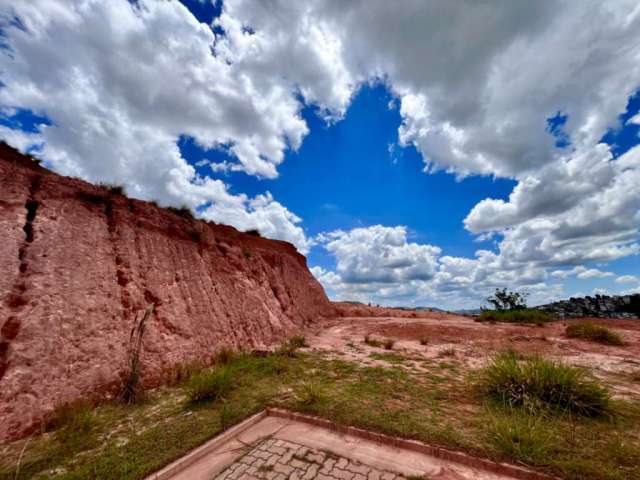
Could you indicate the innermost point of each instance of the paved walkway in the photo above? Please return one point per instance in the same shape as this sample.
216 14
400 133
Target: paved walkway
275 459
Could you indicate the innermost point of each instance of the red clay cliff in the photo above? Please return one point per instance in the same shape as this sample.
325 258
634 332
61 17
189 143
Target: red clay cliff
77 262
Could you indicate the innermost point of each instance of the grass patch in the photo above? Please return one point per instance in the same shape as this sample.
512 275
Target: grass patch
390 357
520 436
129 442
290 346
589 331
524 315
209 384
538 385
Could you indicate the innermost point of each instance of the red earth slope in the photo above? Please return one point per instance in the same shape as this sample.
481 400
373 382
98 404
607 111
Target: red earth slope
78 262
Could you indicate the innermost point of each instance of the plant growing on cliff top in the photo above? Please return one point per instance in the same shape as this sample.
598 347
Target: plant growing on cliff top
590 331
183 211
537 385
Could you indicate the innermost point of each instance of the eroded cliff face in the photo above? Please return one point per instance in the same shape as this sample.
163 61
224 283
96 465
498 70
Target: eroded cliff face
78 262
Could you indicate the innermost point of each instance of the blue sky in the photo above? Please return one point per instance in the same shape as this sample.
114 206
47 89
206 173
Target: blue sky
413 164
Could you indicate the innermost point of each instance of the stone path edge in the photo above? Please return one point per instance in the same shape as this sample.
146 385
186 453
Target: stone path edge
462 458
203 450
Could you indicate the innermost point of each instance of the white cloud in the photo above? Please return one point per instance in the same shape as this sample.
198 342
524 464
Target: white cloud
635 120
122 83
627 279
582 273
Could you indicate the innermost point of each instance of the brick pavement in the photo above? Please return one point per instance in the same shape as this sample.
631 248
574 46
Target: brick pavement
274 459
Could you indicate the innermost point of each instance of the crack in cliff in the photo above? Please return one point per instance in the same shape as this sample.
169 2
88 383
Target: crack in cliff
15 299
121 275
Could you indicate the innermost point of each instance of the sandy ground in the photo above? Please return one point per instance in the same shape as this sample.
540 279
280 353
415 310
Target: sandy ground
473 343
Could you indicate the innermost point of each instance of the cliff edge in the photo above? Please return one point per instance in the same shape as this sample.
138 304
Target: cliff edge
78 263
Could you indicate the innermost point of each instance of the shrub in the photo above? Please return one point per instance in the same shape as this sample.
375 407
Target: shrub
195 235
538 385
113 188
210 384
224 356
447 352
387 343
253 232
290 346
183 211
424 341
589 331
298 341
527 315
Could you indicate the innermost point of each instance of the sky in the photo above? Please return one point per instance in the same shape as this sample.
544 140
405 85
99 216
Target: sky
419 153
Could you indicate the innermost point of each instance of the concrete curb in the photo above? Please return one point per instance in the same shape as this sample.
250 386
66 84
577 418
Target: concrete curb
461 458
514 471
203 450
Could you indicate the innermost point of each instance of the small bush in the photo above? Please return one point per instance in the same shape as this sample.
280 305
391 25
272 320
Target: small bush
113 189
372 342
253 232
195 235
447 352
209 384
539 385
183 211
387 343
596 333
424 341
527 315
224 356
298 341
247 254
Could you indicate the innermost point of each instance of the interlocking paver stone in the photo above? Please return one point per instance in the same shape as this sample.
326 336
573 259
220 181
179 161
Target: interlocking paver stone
274 459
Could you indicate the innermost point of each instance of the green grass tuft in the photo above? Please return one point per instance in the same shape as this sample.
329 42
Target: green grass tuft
538 385
525 315
209 384
590 331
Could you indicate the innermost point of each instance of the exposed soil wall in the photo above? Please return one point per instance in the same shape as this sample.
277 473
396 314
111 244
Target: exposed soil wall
78 262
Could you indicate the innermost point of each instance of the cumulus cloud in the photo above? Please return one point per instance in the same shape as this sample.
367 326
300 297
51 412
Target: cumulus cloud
627 279
379 263
581 273
122 81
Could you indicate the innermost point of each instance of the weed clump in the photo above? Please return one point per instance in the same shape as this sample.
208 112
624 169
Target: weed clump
525 315
210 384
424 340
538 385
590 331
290 346
224 356
523 437
387 343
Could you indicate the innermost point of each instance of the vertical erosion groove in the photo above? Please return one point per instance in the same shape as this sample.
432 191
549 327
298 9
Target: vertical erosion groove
16 298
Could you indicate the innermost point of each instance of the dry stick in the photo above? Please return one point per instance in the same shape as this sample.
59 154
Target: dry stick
20 457
135 346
